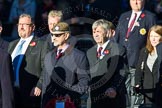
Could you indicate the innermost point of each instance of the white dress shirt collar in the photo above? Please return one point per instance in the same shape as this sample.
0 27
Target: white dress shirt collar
103 48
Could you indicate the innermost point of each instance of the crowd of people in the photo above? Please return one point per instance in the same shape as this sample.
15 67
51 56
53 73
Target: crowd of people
49 71
39 9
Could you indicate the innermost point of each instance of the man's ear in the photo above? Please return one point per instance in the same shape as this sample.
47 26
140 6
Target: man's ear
33 27
108 34
67 35
1 29
113 32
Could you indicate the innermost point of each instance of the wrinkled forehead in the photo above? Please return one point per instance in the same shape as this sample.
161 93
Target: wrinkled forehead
99 29
54 19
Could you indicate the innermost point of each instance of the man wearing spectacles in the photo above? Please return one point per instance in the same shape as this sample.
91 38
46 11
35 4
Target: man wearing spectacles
65 71
27 56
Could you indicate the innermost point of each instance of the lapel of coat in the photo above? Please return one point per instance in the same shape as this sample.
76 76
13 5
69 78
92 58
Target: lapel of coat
54 53
140 20
49 40
112 59
31 47
155 65
107 49
105 57
50 61
53 59
12 46
93 55
126 20
144 57
67 52
98 64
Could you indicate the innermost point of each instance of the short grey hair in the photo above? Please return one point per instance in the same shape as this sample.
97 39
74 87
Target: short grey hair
103 23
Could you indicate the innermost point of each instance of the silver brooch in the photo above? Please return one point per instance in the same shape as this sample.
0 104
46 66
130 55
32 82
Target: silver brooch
57 28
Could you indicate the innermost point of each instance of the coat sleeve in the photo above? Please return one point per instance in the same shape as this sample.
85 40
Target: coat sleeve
121 71
82 75
43 53
140 68
6 82
117 31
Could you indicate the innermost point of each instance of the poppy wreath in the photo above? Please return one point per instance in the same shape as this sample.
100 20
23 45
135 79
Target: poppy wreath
52 103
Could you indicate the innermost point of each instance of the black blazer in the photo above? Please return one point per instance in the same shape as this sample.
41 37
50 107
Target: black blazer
143 75
6 90
108 72
136 40
147 79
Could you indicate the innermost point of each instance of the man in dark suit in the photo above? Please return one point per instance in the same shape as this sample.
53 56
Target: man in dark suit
27 56
3 44
131 33
65 73
107 69
6 91
54 17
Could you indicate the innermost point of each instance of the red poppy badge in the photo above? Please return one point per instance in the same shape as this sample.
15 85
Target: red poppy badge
32 44
143 15
106 52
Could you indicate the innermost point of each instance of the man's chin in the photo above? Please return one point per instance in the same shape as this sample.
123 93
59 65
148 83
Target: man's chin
55 44
22 35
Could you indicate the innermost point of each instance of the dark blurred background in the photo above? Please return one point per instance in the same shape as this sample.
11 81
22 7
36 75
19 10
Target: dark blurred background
73 10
